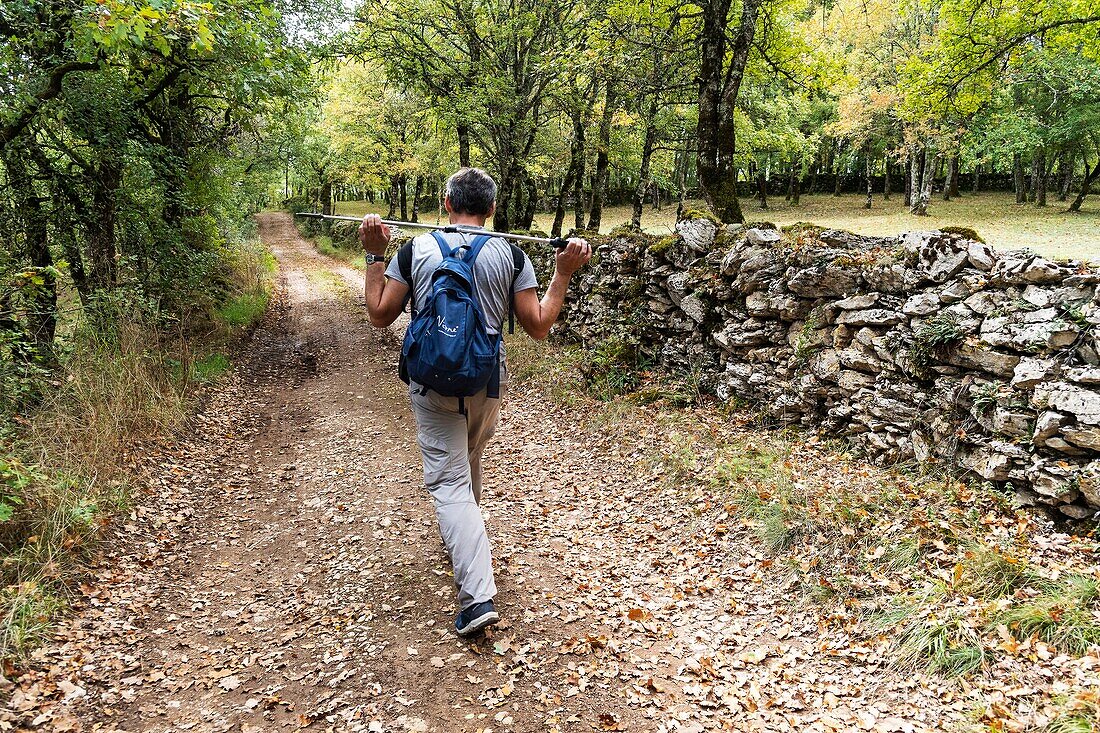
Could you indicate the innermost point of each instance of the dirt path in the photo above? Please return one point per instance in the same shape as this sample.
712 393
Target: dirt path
285 572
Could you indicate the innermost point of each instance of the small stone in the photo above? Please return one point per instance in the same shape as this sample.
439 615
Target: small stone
1084 404
924 304
858 302
693 308
1084 437
1047 426
825 365
1031 371
698 234
870 317
851 381
762 237
981 256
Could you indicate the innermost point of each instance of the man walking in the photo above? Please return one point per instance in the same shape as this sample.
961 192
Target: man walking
453 433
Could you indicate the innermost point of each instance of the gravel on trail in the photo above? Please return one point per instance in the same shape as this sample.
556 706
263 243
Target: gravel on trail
282 570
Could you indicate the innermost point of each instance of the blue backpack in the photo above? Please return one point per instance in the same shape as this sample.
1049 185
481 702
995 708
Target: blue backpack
446 347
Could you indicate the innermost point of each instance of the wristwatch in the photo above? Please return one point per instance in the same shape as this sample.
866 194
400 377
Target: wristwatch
371 258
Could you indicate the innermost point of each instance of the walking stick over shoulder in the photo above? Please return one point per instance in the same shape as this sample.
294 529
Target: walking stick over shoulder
555 242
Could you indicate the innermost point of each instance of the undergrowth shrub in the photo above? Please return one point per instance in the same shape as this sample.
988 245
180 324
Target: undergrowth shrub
124 371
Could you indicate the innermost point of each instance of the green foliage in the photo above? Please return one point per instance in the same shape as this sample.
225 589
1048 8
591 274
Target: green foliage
1063 614
612 366
933 334
949 646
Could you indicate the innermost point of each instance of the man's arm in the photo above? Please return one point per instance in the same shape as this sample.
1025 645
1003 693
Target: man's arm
537 316
385 298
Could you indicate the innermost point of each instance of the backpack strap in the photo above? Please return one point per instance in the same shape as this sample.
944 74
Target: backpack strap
442 242
517 268
405 267
475 248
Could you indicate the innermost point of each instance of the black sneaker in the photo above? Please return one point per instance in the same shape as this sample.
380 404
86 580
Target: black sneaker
475 618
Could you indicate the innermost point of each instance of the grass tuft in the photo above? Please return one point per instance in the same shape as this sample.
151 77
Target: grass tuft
1064 615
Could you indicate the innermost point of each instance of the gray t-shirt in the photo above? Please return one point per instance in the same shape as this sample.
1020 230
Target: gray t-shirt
493 273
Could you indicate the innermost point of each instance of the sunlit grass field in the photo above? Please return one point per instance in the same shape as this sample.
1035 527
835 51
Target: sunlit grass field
995 216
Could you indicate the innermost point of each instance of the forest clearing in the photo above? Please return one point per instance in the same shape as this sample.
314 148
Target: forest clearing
813 443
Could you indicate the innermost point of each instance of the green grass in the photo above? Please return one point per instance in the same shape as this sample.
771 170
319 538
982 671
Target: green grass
1063 614
243 310
995 216
210 367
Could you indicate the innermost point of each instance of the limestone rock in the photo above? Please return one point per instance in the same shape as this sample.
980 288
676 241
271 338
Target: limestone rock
823 280
870 317
1024 332
825 365
1011 423
1047 426
1088 481
923 304
1084 404
1083 375
1031 371
1021 268
698 234
693 308
851 381
981 256
976 356
857 302
990 465
938 257
1084 437
763 237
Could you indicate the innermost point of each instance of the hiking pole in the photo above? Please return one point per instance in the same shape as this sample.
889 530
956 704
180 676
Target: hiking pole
555 242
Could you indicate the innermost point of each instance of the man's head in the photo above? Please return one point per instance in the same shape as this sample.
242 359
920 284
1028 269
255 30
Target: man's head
471 191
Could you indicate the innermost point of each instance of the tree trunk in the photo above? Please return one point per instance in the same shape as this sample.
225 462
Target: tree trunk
1033 184
326 198
719 86
648 144
531 207
953 178
795 183
1065 173
886 179
403 191
977 178
1086 186
920 184
836 171
762 186
928 176
463 145
563 194
418 191
41 322
599 183
102 250
867 175
1018 178
394 181
578 180
909 179
1041 193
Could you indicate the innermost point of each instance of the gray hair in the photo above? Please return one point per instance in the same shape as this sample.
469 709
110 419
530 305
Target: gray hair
471 191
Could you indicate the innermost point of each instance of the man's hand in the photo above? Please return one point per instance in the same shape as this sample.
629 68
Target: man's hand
572 257
374 235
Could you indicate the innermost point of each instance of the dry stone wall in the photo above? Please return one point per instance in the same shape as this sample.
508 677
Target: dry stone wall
927 347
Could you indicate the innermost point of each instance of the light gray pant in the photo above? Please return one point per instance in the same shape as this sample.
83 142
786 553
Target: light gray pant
451 445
